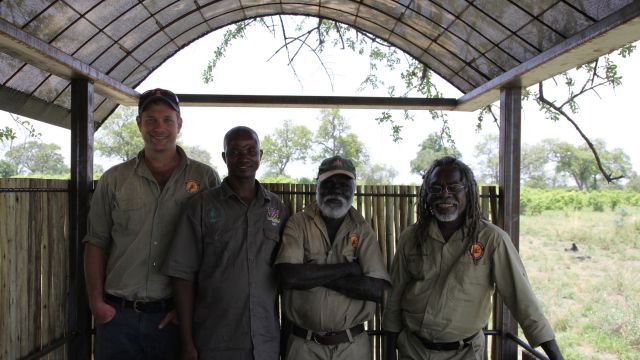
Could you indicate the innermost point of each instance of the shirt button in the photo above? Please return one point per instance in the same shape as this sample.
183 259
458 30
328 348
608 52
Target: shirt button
154 264
155 243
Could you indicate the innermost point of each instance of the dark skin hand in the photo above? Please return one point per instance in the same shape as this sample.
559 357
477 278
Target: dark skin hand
345 278
390 350
552 350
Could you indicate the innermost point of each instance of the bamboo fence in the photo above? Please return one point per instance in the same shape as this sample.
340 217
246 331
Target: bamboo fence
34 250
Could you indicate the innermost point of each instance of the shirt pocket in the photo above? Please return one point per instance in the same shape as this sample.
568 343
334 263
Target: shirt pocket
416 264
128 214
271 243
471 281
217 248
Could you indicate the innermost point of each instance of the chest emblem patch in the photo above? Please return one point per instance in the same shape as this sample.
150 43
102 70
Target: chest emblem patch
476 250
192 186
354 240
273 215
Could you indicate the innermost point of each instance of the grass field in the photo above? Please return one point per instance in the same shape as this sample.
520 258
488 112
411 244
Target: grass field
591 296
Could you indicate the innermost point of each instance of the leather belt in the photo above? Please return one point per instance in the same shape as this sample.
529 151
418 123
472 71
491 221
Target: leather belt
446 346
142 306
328 338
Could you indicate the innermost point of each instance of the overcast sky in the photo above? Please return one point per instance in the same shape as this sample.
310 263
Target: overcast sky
246 70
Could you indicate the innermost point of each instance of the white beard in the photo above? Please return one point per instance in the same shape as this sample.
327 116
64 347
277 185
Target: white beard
445 218
333 211
448 216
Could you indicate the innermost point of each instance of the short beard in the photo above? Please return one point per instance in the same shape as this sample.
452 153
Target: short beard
332 211
445 217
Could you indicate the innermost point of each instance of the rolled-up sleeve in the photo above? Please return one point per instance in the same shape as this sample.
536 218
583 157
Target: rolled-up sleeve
392 319
183 259
514 288
100 221
292 248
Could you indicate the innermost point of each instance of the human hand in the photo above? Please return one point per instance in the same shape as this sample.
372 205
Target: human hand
102 312
355 268
171 316
189 352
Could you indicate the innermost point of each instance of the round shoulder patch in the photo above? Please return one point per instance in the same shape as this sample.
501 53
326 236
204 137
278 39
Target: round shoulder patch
192 186
476 250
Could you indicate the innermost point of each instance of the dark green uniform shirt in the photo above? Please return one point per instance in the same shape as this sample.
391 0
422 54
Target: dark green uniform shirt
228 248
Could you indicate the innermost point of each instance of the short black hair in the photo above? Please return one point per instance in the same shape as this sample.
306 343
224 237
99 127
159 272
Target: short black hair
237 130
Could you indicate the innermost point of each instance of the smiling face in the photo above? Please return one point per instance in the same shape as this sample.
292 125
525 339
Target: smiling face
447 206
334 195
159 125
242 154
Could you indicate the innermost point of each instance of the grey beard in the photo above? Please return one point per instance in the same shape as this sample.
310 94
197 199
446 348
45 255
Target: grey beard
334 212
445 218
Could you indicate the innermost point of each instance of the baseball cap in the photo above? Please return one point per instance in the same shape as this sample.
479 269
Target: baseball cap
158 94
336 165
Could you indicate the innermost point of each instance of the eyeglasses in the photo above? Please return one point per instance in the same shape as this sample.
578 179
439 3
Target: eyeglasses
452 188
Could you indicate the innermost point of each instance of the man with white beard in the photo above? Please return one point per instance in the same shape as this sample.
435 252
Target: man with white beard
445 270
331 271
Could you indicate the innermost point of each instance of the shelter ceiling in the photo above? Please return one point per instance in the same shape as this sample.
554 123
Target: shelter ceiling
477 46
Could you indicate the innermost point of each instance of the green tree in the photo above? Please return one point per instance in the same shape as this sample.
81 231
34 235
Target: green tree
33 157
534 171
432 148
119 136
285 145
7 169
333 137
577 162
486 151
197 153
376 174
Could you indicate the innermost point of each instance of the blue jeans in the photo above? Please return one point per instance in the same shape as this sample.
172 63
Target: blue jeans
132 335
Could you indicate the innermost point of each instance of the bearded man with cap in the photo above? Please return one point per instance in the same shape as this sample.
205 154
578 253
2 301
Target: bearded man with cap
133 213
331 270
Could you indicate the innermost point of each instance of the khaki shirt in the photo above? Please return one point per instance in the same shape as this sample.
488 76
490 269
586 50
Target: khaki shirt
133 221
228 248
305 240
443 296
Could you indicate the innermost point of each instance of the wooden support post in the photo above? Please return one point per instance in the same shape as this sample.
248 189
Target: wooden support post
79 187
509 200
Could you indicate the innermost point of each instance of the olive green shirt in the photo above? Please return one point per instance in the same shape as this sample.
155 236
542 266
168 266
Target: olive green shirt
133 220
305 240
441 295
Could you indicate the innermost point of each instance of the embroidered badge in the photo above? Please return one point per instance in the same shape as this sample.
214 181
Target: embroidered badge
192 186
213 216
273 215
354 240
476 250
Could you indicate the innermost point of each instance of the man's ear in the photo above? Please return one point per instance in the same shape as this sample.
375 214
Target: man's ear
260 154
179 123
224 157
138 121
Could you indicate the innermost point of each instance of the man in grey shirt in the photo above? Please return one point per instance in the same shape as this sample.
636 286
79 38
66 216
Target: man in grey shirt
221 262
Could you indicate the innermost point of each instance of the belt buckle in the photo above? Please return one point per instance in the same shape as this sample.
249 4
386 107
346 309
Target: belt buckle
314 337
136 304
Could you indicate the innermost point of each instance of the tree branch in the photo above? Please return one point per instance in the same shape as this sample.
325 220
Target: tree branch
560 111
